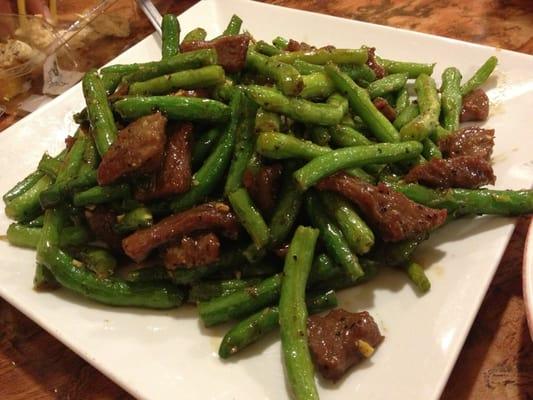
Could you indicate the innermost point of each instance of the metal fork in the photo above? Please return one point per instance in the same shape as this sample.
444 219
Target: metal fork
151 12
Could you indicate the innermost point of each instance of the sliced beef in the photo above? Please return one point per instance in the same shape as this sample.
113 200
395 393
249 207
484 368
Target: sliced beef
475 106
175 174
458 172
264 186
231 50
471 141
208 216
101 221
294 45
340 340
373 64
385 108
139 148
281 250
193 251
395 216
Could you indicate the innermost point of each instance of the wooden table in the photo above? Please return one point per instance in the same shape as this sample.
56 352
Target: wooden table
497 359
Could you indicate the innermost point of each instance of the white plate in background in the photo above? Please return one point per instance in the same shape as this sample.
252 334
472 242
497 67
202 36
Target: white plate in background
167 355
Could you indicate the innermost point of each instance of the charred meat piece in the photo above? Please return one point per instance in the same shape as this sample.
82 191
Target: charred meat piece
475 106
139 148
471 141
458 172
294 45
281 250
264 186
193 251
373 64
101 221
208 216
198 92
175 174
340 340
395 216
385 108
231 50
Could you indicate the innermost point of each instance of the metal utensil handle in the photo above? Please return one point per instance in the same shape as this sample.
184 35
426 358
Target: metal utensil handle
152 13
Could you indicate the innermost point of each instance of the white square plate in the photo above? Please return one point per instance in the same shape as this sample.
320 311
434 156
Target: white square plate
162 355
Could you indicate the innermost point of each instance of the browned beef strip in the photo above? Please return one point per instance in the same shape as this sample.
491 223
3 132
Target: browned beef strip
334 340
373 64
471 141
475 106
294 45
231 50
208 216
193 251
101 221
175 174
264 186
458 172
281 250
390 212
385 108
139 148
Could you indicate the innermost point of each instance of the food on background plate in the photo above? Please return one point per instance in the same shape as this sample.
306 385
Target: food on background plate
255 179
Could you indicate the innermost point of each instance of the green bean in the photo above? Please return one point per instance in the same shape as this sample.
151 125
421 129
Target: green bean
402 100
408 114
249 217
244 146
190 79
210 174
43 279
100 114
429 104
174 107
411 68
356 232
362 74
266 48
471 201
440 133
36 223
287 207
85 180
306 68
266 121
207 290
110 82
280 42
90 155
23 186
316 86
295 108
480 76
323 56
431 150
397 253
137 218
324 269
240 303
202 146
68 171
332 237
101 194
98 260
281 146
170 28
451 99
23 236
49 165
256 326
109 291
26 206
234 26
179 62
293 314
344 136
349 157
363 106
148 274
287 78
342 282
387 84
416 274
319 135
195 35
